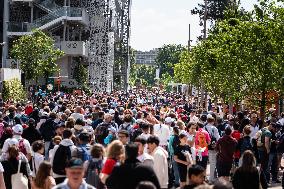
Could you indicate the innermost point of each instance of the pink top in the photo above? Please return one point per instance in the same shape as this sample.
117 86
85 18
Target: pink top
202 139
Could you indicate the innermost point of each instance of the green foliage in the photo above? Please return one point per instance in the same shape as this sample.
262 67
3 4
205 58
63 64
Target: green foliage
142 75
241 59
215 9
81 74
183 69
37 55
167 57
13 90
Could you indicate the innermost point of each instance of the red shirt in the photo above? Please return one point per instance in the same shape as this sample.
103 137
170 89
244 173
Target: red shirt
236 135
108 166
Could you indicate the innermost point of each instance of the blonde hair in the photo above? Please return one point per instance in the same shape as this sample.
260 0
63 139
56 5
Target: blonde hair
115 149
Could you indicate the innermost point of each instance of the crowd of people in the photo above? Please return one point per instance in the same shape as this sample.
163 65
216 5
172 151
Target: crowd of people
136 140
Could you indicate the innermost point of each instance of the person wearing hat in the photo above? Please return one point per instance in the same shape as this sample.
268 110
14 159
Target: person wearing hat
17 139
75 173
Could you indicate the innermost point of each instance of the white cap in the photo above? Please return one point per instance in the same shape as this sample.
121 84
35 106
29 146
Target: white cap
169 120
18 129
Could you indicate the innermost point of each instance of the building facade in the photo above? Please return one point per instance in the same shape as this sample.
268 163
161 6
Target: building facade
146 57
86 30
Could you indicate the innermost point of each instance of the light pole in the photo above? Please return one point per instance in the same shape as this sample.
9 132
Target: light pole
3 56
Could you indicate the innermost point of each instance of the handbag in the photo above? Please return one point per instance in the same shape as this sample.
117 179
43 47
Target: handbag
18 180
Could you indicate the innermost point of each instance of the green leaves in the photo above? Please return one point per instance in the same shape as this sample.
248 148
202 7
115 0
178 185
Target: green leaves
167 57
13 90
37 55
240 59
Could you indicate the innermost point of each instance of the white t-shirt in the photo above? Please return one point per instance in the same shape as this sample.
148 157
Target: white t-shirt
37 160
15 140
253 130
163 133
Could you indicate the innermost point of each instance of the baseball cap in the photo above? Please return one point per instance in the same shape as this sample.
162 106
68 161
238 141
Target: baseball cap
18 129
75 163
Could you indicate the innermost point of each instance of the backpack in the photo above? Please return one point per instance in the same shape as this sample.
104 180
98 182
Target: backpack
246 145
101 132
61 157
93 172
83 153
22 147
212 144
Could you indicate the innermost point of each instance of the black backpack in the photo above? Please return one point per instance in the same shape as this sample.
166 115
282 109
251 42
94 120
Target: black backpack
93 172
61 157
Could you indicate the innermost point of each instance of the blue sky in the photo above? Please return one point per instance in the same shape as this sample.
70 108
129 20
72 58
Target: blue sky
158 22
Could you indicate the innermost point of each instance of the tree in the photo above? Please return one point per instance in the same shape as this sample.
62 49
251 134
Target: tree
215 10
37 55
182 70
242 59
143 75
81 74
167 57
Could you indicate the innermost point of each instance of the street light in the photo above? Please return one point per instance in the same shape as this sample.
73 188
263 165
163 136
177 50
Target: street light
3 56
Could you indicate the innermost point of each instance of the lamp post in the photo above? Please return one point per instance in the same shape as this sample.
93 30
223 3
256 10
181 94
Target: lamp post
3 56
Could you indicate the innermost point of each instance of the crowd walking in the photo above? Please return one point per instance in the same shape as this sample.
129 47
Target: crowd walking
136 140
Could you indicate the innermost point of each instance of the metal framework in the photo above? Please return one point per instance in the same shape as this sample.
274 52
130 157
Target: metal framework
122 49
108 44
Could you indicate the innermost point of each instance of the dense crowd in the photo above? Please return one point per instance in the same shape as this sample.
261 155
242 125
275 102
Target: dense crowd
143 140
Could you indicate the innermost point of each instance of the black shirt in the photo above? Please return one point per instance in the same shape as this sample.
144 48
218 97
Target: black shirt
180 150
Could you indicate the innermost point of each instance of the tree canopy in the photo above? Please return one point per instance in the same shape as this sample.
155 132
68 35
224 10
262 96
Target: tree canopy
37 55
241 58
168 56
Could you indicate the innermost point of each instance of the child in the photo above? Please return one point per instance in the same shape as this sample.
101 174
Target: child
196 176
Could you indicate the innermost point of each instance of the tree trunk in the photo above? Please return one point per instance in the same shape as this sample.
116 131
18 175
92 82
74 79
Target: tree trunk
262 105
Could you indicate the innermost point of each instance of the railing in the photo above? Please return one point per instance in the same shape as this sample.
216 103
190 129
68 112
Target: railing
19 27
48 5
37 23
63 11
